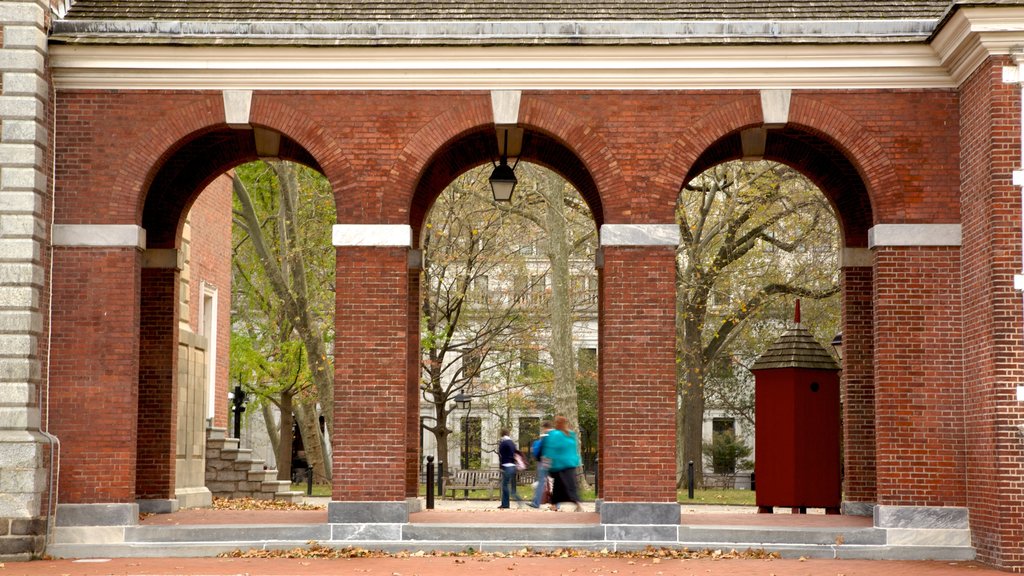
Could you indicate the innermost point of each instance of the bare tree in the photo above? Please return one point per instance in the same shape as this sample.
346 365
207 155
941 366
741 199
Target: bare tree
751 233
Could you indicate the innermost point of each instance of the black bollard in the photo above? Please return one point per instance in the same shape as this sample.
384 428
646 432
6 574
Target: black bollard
309 479
430 482
689 479
440 478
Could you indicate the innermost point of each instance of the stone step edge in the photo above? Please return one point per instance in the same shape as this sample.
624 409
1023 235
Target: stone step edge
205 549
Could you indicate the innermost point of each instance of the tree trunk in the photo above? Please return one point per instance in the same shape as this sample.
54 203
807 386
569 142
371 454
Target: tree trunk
693 395
284 450
309 428
560 307
272 432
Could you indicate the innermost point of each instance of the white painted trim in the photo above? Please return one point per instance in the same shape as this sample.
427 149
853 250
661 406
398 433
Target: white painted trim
372 235
505 106
914 235
974 33
784 67
639 235
856 258
1018 177
99 235
208 327
237 107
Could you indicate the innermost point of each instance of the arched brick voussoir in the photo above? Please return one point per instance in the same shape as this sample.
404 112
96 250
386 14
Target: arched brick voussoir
680 158
860 148
154 146
329 156
614 196
423 147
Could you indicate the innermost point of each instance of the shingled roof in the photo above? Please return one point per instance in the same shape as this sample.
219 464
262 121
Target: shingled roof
796 349
381 22
435 10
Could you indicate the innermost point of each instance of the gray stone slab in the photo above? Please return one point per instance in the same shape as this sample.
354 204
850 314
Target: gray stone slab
775 535
97 514
227 533
858 508
510 533
163 549
158 506
639 513
921 517
638 533
367 512
365 532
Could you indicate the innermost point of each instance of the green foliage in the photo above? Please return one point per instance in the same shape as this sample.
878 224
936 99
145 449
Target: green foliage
727 453
267 353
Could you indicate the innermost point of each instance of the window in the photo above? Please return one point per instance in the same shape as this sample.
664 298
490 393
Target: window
529 430
469 452
586 360
471 361
528 357
723 441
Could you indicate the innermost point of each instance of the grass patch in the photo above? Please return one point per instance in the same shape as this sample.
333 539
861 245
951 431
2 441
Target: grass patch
723 496
318 489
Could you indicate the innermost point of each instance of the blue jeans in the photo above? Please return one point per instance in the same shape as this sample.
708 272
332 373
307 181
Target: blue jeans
508 485
542 481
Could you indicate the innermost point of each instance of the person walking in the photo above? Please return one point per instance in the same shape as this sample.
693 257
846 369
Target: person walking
543 464
560 446
507 458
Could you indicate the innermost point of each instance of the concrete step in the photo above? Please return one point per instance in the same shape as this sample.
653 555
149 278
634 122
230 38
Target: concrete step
210 540
277 486
291 496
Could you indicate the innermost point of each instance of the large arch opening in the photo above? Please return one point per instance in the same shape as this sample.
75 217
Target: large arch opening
831 171
547 276
185 323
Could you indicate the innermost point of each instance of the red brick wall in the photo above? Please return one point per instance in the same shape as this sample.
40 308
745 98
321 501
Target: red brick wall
413 374
158 364
993 314
210 218
858 386
638 375
94 370
370 362
919 377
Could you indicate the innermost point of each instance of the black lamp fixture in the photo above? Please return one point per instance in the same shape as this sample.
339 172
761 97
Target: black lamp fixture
837 343
463 401
503 179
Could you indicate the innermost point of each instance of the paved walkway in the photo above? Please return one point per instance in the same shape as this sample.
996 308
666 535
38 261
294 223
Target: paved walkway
477 566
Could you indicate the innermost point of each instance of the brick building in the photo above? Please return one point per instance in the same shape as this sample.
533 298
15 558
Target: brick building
907 114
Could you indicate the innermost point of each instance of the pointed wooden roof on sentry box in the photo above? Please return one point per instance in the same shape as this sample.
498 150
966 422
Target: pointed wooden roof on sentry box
796 349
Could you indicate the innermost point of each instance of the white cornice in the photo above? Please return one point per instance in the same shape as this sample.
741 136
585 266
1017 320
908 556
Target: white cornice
498 67
973 34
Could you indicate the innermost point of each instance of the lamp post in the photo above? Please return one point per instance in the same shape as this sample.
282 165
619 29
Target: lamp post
238 406
464 402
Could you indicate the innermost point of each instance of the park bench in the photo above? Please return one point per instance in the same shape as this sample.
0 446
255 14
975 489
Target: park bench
489 480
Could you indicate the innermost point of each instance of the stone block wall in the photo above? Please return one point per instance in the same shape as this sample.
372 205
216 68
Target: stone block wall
231 472
24 208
